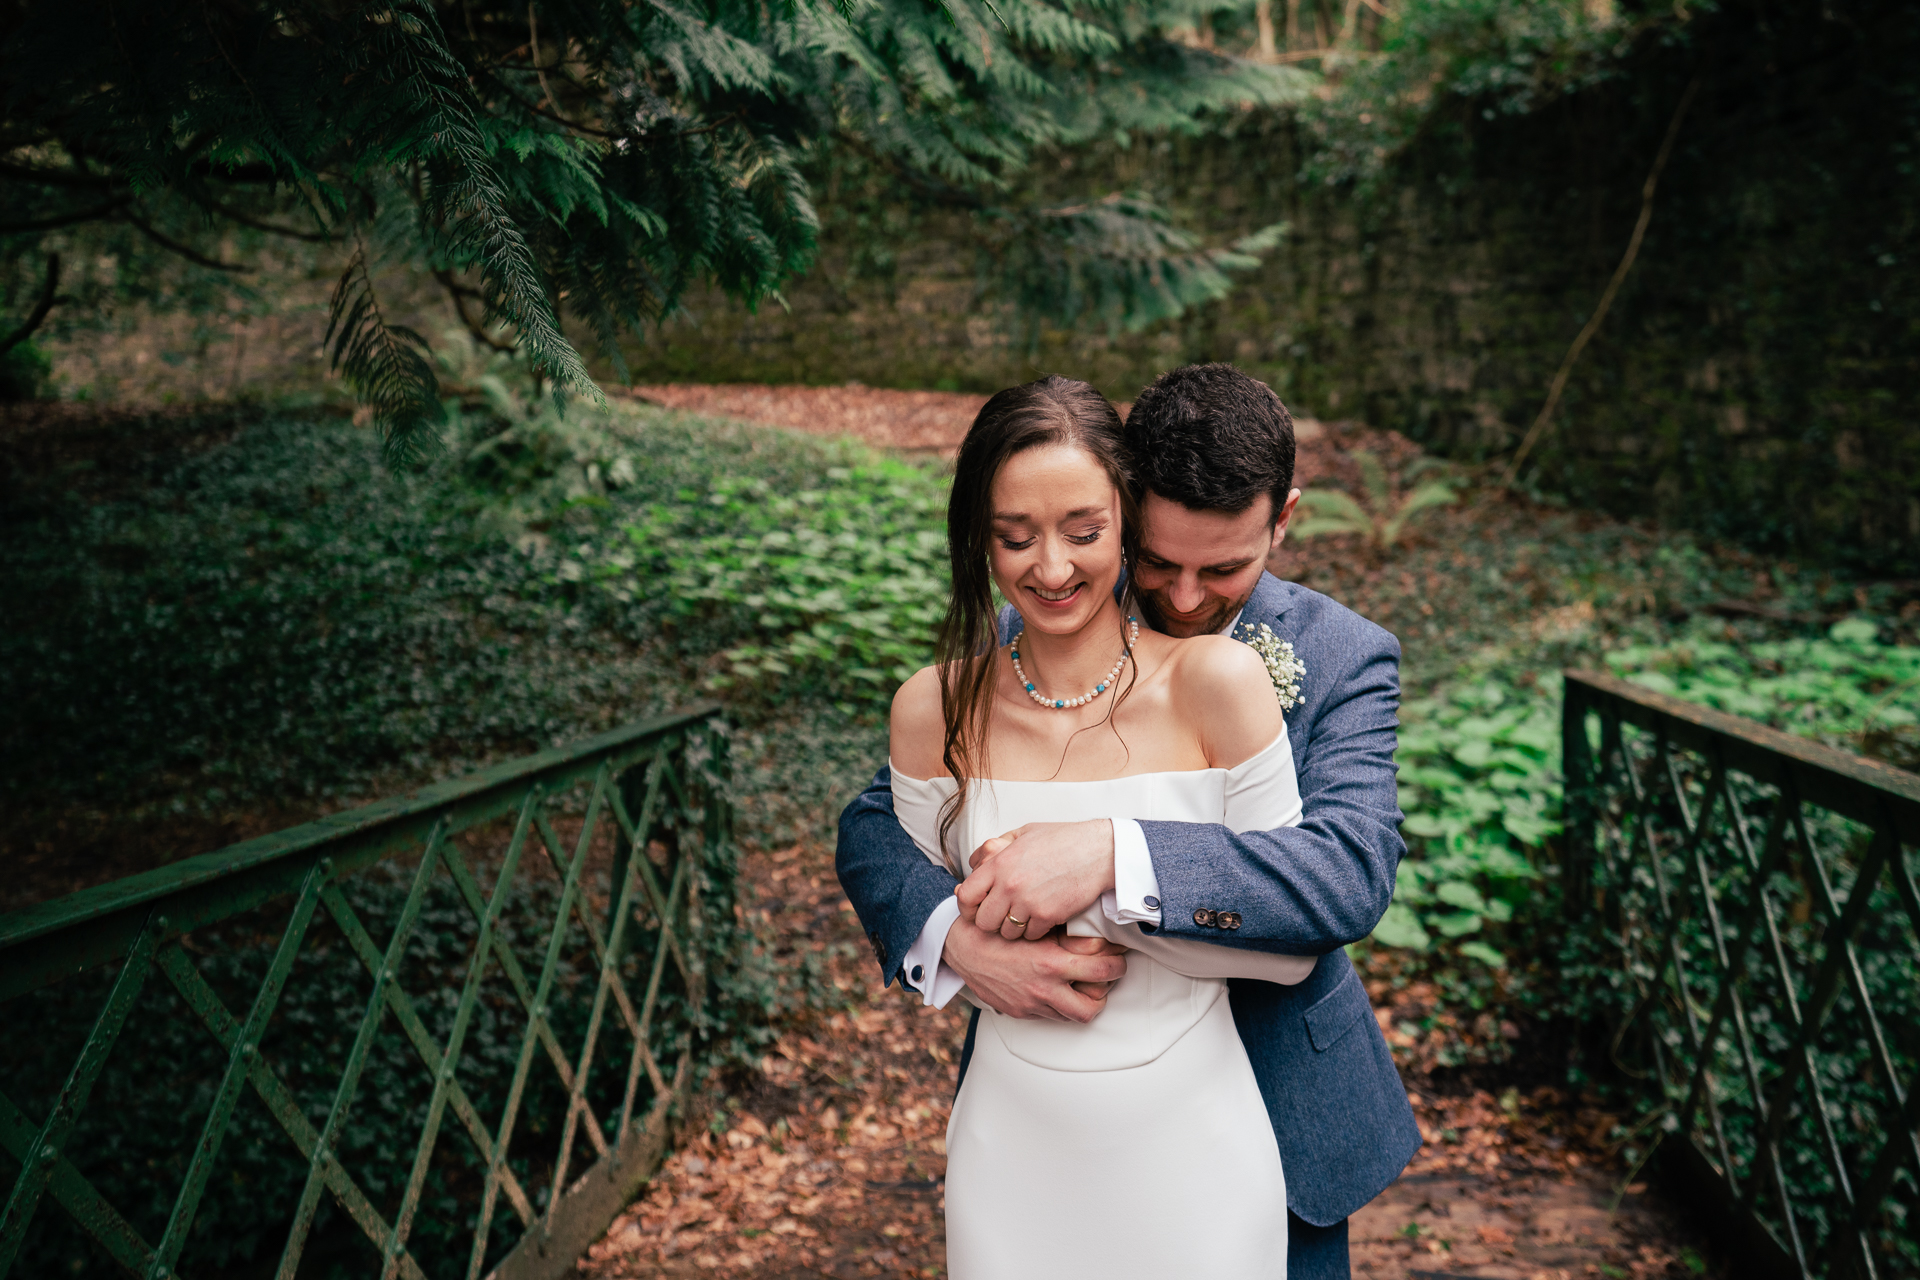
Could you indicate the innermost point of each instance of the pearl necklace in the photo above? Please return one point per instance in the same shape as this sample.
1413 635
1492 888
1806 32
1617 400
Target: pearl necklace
1061 704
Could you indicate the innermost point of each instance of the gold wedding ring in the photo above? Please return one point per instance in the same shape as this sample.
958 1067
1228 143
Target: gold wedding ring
1016 920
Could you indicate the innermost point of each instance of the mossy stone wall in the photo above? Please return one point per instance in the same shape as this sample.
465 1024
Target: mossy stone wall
1754 378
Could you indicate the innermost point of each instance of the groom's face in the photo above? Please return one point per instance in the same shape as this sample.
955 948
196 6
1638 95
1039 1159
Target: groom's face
1197 568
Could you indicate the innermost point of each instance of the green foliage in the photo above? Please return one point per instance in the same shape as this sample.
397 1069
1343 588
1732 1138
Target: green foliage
386 364
268 621
594 158
833 590
1496 57
1386 513
1457 198
1479 783
1479 762
24 372
1845 688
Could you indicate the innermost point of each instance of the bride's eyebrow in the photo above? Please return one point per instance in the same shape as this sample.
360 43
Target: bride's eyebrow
1021 517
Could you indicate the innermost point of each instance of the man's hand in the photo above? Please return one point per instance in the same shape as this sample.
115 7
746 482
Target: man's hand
1038 876
1044 979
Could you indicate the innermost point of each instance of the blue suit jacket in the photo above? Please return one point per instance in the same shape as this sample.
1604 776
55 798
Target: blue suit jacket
1340 1113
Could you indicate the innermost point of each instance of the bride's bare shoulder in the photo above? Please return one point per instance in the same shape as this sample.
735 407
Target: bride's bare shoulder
917 728
1213 665
1223 684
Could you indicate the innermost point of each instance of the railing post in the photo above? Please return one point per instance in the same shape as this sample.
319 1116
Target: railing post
632 786
1576 763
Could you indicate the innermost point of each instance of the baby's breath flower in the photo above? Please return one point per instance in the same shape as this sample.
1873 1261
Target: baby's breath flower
1283 668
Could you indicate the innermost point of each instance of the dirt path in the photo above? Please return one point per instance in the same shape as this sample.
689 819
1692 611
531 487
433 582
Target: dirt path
910 421
827 1161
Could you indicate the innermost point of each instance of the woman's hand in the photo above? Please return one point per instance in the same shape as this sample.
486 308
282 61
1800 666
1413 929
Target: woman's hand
1089 947
970 903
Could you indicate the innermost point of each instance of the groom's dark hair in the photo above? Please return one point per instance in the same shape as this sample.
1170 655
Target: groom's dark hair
1212 439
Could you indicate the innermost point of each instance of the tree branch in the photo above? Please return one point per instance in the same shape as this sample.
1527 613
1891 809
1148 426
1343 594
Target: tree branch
192 255
54 177
94 214
1606 299
926 184
48 299
460 293
310 237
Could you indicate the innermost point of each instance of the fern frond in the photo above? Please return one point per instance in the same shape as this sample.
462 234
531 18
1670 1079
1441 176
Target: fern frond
1373 476
387 366
1330 507
1437 493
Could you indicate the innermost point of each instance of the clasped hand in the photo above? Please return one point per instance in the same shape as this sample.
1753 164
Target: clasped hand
1034 878
1023 887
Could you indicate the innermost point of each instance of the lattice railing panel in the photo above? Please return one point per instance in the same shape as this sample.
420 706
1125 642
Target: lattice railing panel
438 1037
1756 894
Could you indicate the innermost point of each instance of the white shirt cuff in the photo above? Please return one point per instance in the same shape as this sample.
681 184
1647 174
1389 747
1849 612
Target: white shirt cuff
923 970
1135 896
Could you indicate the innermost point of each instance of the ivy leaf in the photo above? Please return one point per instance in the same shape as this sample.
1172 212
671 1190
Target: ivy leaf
1400 927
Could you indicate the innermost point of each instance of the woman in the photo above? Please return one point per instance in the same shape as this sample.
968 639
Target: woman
1137 1144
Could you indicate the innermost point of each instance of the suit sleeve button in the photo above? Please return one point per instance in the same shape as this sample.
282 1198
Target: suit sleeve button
1229 919
1203 917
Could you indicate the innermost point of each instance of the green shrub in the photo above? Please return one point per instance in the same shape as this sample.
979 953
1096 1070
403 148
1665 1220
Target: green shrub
1480 777
279 618
1845 688
1479 783
835 589
25 372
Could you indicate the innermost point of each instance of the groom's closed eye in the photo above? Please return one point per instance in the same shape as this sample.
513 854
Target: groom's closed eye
1217 570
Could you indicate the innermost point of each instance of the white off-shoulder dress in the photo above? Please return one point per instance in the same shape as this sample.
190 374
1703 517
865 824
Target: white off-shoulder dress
1136 1145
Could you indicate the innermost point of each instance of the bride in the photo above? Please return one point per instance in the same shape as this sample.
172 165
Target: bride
1136 1145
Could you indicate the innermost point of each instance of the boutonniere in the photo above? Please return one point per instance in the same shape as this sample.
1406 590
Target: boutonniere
1283 667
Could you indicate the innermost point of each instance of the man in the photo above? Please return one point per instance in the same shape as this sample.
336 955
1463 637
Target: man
1213 450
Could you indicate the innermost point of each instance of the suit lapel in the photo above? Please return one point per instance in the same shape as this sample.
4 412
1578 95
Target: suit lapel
1269 603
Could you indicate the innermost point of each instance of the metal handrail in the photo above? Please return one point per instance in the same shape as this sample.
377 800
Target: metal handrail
657 788
1745 883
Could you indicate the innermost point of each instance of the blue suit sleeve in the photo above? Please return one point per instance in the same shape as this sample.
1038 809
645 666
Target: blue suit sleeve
1310 889
892 885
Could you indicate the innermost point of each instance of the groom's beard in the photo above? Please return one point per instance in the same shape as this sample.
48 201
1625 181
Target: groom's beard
1211 620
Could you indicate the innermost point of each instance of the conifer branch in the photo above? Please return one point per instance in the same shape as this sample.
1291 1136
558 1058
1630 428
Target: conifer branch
386 365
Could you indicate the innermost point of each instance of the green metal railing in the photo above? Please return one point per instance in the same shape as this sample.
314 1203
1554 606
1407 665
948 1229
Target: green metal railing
1753 895
584 958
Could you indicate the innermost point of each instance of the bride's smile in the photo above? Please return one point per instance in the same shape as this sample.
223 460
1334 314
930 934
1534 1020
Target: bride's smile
1055 552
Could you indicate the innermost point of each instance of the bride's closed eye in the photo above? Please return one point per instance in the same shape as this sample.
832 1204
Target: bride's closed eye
1078 539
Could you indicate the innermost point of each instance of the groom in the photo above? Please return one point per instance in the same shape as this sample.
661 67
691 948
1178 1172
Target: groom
1213 451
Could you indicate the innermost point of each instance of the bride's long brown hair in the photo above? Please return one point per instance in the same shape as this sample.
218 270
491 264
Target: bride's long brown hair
1052 411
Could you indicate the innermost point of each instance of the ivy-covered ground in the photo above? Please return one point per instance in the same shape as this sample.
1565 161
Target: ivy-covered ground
232 621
